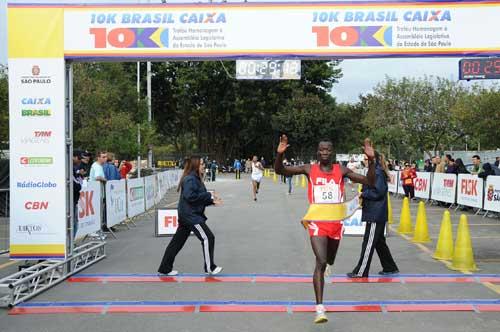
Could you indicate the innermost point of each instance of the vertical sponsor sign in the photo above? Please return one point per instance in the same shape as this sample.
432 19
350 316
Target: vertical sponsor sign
444 187
492 194
89 209
135 197
422 185
156 185
470 190
150 191
393 181
166 222
116 202
37 158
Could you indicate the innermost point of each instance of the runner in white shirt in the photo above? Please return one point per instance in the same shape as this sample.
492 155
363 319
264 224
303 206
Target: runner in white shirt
257 173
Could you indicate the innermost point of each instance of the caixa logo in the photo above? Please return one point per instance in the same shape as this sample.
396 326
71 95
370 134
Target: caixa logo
349 36
29 229
36 205
35 101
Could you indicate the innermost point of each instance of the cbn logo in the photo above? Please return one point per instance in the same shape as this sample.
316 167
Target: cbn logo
359 36
130 37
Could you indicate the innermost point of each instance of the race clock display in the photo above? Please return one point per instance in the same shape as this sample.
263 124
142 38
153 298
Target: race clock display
268 69
479 68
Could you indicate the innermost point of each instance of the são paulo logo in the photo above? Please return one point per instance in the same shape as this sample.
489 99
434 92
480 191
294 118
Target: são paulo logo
35 77
492 194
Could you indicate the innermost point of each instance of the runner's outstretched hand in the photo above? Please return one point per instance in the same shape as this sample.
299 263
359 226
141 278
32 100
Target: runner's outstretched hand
283 144
368 149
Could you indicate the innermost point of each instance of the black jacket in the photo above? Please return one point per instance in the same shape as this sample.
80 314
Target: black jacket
375 199
193 200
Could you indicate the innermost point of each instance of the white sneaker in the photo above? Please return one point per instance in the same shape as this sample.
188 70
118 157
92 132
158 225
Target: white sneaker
320 314
217 270
170 274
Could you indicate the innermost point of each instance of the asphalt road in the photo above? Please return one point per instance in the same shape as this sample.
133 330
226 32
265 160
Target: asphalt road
266 237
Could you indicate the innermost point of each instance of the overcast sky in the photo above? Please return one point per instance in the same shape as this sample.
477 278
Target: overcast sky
360 76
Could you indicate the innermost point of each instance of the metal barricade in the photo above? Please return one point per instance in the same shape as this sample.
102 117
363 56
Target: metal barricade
4 220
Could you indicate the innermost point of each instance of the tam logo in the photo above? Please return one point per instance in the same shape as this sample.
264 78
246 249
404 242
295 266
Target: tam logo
448 183
43 133
364 36
36 205
130 37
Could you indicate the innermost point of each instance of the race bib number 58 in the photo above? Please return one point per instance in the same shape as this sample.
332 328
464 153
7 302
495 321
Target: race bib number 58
326 194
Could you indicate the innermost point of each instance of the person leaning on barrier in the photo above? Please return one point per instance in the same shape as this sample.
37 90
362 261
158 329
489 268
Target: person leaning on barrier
460 167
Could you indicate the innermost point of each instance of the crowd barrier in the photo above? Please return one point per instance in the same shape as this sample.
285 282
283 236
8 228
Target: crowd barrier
124 200
464 189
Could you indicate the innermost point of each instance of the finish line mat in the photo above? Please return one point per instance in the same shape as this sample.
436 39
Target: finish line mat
284 278
111 307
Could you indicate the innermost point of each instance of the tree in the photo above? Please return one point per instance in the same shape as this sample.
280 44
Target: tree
106 110
415 114
478 114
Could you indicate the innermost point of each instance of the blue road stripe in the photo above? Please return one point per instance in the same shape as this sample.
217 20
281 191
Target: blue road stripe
270 303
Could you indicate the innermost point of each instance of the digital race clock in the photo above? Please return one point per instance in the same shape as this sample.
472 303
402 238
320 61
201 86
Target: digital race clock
268 69
479 69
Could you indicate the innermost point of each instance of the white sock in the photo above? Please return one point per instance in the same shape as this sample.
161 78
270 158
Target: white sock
320 308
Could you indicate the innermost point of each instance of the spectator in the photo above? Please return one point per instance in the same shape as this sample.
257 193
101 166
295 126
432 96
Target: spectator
427 165
77 186
125 168
488 170
237 169
352 165
476 161
248 166
497 162
440 165
84 167
263 162
451 168
407 176
460 167
97 170
213 170
414 167
110 170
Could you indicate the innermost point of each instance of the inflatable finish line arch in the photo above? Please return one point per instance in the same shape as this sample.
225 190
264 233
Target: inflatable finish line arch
43 37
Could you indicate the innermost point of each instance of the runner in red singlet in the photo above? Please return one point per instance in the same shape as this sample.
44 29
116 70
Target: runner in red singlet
326 186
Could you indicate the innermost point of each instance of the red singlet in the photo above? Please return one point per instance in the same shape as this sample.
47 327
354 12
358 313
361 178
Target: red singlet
325 188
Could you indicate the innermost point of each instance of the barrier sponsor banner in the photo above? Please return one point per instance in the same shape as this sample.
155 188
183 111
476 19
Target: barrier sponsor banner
150 191
337 29
166 222
444 187
135 197
353 225
393 181
116 198
492 194
401 190
423 185
89 209
470 190
37 158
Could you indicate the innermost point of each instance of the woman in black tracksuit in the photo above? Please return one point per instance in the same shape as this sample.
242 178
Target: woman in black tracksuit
193 199
374 201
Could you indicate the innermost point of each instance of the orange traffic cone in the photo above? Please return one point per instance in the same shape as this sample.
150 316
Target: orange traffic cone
405 226
444 247
463 257
421 230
